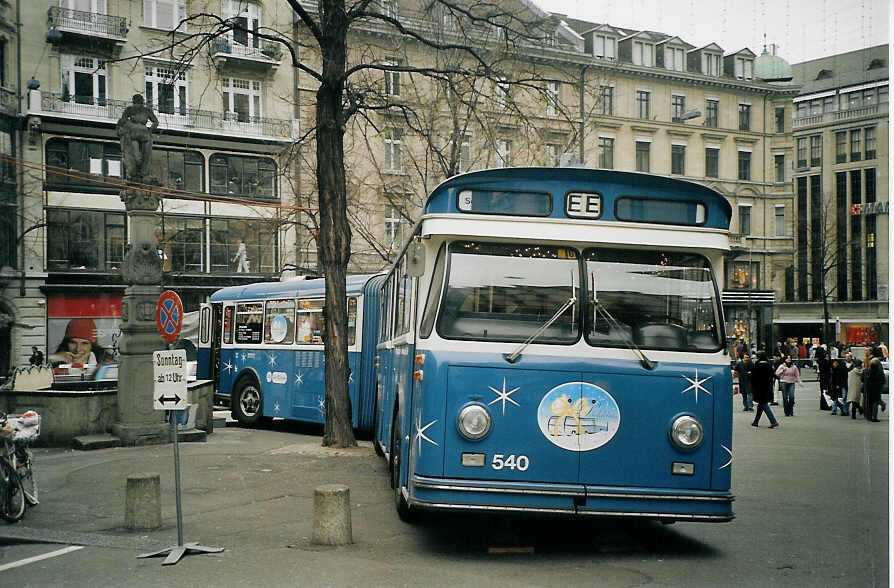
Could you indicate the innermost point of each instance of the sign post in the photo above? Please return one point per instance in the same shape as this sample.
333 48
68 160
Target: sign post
169 377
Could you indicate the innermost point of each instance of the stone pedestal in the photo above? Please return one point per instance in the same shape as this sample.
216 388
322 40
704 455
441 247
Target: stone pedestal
138 423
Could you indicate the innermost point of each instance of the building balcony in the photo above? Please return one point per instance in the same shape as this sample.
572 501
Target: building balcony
62 22
227 52
841 115
180 119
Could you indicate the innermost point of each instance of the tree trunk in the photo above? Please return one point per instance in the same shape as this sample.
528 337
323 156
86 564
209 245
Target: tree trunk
334 245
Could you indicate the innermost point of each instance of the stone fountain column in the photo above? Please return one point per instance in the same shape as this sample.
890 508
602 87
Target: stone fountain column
138 423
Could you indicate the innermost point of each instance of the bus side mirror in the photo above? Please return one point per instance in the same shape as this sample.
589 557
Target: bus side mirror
415 258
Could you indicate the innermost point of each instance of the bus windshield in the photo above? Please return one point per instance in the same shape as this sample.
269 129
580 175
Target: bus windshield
505 292
656 299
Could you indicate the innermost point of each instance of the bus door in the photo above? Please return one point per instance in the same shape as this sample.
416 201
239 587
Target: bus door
216 318
625 431
205 369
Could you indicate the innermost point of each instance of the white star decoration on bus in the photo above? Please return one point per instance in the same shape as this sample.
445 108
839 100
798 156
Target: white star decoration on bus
420 432
321 406
696 384
503 396
728 450
299 379
228 366
271 359
276 407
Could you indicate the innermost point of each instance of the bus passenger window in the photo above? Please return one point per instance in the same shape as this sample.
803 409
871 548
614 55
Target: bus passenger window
309 322
279 322
228 325
352 320
248 322
434 293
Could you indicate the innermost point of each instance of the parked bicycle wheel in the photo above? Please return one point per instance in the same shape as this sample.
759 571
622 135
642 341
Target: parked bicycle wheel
12 496
29 481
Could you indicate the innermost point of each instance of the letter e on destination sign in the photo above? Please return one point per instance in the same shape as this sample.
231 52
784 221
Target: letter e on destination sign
169 376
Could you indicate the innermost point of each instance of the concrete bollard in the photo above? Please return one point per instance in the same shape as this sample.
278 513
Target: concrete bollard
332 515
142 502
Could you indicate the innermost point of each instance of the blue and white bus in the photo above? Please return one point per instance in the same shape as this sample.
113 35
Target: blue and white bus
548 341
551 341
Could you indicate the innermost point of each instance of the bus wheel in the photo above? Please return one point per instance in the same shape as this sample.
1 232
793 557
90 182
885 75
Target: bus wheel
248 407
406 514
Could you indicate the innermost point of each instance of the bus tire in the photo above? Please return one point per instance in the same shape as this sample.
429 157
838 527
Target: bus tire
404 512
248 402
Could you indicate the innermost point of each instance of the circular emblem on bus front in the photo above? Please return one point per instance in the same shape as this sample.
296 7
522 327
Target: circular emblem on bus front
578 416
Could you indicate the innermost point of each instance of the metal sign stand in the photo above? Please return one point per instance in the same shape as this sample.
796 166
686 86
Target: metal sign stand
176 376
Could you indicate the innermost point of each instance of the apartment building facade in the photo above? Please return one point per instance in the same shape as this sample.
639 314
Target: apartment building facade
840 131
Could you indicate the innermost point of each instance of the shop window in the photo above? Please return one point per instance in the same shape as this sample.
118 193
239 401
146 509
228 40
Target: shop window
242 176
743 275
85 240
243 246
182 245
87 165
180 170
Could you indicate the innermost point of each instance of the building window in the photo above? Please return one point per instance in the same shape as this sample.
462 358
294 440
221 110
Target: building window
246 16
393 151
744 68
802 152
243 246
674 59
779 164
85 164
164 14
780 119
744 220
84 79
712 162
166 90
678 107
742 275
393 228
85 240
239 175
642 156
744 117
816 150
552 155
604 47
857 248
711 64
241 100
642 53
465 154
606 152
504 153
779 220
870 142
182 244
856 152
711 107
802 243
841 147
552 98
392 80
501 94
678 159
181 170
745 165
642 105
607 98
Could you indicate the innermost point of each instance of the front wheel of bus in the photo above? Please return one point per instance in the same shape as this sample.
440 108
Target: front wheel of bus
400 504
248 407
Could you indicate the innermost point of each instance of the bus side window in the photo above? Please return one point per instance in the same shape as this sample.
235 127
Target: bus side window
249 319
279 322
228 325
205 325
352 320
309 322
434 294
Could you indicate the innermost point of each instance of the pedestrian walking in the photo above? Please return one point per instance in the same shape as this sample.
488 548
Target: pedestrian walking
762 380
789 375
824 370
855 387
838 387
873 383
743 368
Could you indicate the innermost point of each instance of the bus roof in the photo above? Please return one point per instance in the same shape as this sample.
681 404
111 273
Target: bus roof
298 288
558 182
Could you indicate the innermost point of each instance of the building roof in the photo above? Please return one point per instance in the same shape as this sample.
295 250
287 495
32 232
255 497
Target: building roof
842 70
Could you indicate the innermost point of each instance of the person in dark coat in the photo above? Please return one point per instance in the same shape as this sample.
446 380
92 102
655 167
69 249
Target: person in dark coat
838 387
763 378
743 367
824 370
873 384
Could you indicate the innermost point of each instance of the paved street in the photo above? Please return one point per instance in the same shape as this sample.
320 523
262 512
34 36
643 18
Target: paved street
811 507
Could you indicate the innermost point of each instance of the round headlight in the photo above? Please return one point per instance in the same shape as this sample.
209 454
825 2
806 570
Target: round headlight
687 433
473 422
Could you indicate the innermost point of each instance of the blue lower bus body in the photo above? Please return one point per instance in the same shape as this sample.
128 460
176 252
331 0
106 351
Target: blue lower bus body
567 436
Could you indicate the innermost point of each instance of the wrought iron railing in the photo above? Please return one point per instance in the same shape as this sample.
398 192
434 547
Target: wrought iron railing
175 118
228 47
88 22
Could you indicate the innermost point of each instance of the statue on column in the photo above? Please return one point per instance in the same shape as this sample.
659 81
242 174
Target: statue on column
136 139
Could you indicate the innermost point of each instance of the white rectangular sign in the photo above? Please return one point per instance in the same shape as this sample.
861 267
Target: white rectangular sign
169 371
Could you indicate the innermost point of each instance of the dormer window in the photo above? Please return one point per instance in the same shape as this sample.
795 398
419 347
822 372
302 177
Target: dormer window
711 64
604 47
824 74
643 54
675 58
876 63
744 68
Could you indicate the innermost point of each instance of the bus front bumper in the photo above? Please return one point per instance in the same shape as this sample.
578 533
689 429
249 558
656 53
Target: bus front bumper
571 499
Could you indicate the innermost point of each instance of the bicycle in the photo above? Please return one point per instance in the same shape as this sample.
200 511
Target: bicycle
18 485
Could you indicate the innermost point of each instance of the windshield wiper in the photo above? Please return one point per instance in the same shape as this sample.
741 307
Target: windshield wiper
612 321
513 357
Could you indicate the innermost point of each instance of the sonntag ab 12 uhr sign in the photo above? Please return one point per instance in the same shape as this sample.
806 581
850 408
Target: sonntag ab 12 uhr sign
169 371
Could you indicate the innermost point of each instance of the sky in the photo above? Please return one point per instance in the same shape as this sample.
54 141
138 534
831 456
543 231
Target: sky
802 29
